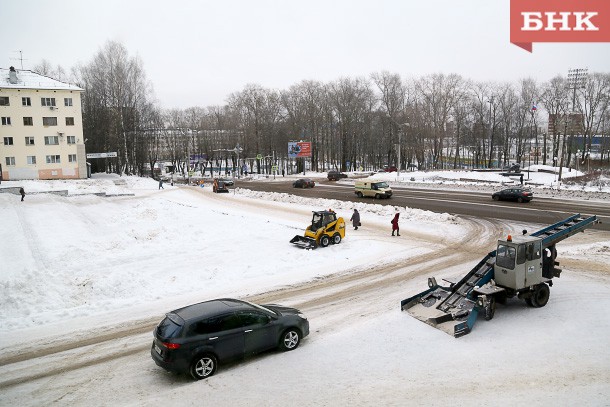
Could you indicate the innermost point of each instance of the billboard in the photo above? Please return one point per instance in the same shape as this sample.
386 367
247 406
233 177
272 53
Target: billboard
102 155
297 149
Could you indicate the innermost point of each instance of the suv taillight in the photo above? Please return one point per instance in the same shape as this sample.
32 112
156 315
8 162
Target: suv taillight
170 345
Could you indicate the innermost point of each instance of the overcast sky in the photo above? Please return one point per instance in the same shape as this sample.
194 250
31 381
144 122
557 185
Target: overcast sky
196 53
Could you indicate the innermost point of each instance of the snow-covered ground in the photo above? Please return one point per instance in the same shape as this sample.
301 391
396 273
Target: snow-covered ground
75 264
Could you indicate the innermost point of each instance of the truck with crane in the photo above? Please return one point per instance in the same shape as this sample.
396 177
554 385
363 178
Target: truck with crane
521 266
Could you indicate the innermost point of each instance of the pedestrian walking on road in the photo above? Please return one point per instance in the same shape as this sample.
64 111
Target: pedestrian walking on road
394 223
161 183
22 192
355 219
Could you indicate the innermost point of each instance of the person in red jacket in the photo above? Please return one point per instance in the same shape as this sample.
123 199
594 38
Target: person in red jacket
395 227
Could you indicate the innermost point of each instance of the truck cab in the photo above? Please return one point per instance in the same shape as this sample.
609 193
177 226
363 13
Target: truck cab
375 189
519 262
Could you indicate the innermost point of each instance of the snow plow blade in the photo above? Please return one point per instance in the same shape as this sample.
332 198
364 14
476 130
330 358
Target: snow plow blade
423 307
304 242
451 309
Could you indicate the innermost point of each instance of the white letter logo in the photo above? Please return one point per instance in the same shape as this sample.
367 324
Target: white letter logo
531 21
580 20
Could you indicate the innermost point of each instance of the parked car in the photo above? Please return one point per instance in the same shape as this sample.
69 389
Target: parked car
389 168
335 175
518 194
304 183
196 338
227 181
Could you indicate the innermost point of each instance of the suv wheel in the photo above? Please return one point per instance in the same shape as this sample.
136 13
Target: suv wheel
290 339
203 366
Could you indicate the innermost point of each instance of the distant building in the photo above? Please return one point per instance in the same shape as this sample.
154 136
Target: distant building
41 131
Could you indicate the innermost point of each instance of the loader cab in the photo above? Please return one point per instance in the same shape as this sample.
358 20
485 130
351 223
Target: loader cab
321 219
519 262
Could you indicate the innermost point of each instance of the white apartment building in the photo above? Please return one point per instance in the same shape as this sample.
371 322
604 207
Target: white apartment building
41 128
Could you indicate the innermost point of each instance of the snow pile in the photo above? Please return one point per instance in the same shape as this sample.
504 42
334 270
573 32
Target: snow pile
387 211
82 255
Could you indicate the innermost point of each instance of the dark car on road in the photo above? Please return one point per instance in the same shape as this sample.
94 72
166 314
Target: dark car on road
219 186
304 183
196 338
513 194
335 175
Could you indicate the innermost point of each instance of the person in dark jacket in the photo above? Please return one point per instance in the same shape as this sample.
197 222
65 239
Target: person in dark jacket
355 219
395 227
22 192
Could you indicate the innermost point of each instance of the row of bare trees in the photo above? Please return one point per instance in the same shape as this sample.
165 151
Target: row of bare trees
437 121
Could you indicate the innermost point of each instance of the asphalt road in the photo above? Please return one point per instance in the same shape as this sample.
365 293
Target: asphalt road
478 204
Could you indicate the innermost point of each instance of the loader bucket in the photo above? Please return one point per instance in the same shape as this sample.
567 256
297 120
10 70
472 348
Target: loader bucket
304 242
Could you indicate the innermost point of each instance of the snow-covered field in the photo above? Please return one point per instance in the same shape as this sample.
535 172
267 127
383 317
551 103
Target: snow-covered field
73 265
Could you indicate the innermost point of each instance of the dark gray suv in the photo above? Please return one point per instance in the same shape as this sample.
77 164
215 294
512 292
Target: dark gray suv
194 339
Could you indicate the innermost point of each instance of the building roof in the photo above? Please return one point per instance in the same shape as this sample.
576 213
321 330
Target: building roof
27 79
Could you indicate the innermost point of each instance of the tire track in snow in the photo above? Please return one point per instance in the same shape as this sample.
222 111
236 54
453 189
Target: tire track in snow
30 237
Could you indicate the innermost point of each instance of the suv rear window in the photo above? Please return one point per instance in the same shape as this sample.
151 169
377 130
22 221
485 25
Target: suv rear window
168 328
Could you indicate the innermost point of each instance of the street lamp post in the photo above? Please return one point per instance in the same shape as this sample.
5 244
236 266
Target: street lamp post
398 166
401 130
237 150
188 157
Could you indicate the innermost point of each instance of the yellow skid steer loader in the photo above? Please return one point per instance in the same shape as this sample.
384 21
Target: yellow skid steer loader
325 228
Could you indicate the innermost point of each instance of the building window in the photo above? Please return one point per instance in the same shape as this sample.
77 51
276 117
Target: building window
6 121
27 121
8 141
4 101
72 158
29 141
31 159
49 121
69 121
51 140
67 101
53 159
71 139
10 161
47 102
25 101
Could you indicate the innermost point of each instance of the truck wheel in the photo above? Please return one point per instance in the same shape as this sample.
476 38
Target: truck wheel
377 196
359 194
541 295
490 309
336 238
324 241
